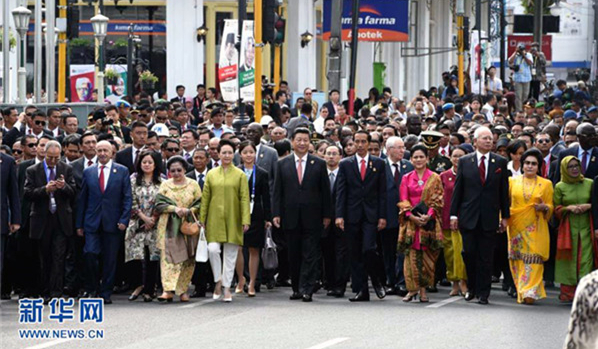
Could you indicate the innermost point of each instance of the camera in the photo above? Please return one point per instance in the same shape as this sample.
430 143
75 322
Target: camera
516 68
107 122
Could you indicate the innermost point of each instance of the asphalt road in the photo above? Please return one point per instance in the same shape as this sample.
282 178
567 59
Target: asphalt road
271 320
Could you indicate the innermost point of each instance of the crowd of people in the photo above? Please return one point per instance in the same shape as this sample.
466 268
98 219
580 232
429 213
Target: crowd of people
460 191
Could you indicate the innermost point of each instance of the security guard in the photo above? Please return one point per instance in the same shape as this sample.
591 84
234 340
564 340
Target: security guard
436 162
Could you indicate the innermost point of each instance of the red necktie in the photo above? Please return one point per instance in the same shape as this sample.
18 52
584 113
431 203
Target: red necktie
215 163
443 152
102 179
362 170
482 169
89 163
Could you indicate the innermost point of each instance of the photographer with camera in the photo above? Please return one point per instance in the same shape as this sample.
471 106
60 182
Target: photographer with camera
538 70
520 63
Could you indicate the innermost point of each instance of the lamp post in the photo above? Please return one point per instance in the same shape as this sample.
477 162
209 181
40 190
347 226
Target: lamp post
100 27
21 16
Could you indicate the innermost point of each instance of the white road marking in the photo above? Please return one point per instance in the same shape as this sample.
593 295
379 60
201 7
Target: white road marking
49 344
444 302
197 304
329 343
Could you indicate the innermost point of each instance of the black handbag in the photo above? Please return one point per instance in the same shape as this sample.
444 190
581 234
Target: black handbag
420 210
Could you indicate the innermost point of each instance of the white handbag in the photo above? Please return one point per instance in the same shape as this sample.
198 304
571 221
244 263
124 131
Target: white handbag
201 255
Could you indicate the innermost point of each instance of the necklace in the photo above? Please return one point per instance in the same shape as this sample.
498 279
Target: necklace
527 196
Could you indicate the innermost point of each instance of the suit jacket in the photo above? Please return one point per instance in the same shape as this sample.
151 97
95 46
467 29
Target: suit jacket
35 191
9 194
331 111
591 170
475 202
358 200
25 204
392 190
261 207
95 210
178 99
15 133
296 122
266 159
308 201
78 167
191 174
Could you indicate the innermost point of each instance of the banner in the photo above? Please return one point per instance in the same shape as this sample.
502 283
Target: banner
82 77
247 68
82 82
379 20
515 40
478 54
227 65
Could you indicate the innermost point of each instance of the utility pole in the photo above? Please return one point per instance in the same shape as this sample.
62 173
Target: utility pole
460 45
50 50
6 52
336 46
538 13
37 54
62 6
503 53
277 54
478 24
354 37
257 28
130 65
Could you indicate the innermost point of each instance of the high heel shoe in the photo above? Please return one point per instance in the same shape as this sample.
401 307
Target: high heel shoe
454 293
424 299
165 299
239 288
184 298
409 297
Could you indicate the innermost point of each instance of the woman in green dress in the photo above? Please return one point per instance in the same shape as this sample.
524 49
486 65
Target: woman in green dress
176 199
225 213
575 243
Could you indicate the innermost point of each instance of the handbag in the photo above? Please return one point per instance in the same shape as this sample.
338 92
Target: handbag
190 228
269 253
201 255
420 210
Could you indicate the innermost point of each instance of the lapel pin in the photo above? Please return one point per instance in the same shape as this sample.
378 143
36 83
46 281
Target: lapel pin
261 155
404 166
492 160
374 169
450 179
593 158
114 170
312 162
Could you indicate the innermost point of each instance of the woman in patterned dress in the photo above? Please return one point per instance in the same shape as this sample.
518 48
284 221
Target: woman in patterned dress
529 241
176 200
141 235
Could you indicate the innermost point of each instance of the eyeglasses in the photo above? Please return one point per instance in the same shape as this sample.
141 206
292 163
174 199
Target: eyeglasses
29 114
40 122
161 119
530 163
172 150
32 145
176 170
542 141
17 151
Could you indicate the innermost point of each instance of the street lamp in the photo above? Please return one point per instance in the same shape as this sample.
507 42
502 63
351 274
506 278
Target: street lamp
556 8
21 16
100 27
306 38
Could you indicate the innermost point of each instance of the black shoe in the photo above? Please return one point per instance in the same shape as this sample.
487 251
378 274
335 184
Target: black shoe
107 301
402 291
391 291
87 295
147 298
283 283
317 286
432 289
296 296
133 297
335 293
380 291
307 298
483 300
495 279
549 284
445 283
504 287
5 296
360 297
271 284
198 294
469 296
512 292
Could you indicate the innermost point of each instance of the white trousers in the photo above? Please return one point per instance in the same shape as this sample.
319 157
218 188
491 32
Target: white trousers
226 271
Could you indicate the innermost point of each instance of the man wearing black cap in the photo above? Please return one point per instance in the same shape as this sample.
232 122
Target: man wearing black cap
437 162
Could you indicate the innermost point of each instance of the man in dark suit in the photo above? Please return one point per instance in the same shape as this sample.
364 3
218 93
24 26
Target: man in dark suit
302 120
480 197
333 102
396 168
10 215
265 156
35 125
50 186
302 207
89 158
586 152
361 204
128 156
180 95
103 213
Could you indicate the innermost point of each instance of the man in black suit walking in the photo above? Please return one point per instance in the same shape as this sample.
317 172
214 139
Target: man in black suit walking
586 152
35 125
50 186
480 199
128 156
361 202
302 206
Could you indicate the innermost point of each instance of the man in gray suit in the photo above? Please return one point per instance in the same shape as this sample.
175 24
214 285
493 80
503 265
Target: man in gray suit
266 157
302 120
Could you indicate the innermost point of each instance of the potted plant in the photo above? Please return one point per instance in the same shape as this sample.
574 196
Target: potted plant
147 80
80 51
119 47
111 76
12 41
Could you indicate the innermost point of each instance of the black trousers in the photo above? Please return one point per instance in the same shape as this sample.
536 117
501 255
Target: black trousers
106 245
342 261
202 276
478 253
143 272
534 89
74 266
8 262
388 239
27 263
51 249
304 246
501 259
364 256
327 259
549 264
282 249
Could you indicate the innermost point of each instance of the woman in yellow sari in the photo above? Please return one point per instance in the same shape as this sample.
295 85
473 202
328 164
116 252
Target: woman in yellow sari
529 241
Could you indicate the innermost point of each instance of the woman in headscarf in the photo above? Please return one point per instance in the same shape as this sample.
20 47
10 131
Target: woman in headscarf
576 245
529 241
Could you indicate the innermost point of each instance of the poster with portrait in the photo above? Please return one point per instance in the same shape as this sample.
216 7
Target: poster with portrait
82 82
227 65
247 68
115 90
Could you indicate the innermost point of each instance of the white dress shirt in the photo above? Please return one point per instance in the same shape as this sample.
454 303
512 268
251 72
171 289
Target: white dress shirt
38 136
393 168
107 168
580 156
366 158
86 160
134 153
